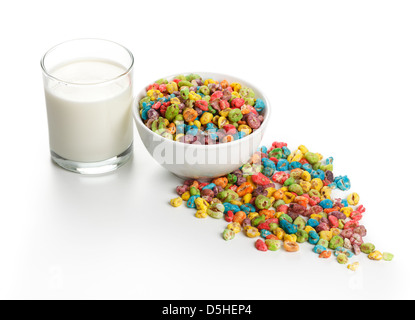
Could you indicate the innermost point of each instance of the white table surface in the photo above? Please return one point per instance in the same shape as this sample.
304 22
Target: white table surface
340 78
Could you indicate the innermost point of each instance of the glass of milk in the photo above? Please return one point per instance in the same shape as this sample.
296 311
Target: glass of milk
88 91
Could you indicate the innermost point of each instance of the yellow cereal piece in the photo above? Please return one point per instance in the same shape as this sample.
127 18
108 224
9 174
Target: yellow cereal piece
176 202
353 199
272 200
305 185
206 118
247 198
215 119
303 149
320 156
197 123
201 214
316 216
237 202
306 176
270 191
236 86
253 215
222 121
290 237
297 155
234 226
280 233
308 229
171 87
375 255
347 211
288 197
335 231
194 96
326 235
283 189
175 100
325 193
353 266
186 195
235 95
201 204
178 136
245 128
252 232
316 184
278 214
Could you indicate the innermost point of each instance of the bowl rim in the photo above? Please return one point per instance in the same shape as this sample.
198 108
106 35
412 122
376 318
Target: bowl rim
140 122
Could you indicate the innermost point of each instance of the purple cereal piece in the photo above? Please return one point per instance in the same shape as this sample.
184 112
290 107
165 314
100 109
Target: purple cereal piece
339 215
361 230
322 227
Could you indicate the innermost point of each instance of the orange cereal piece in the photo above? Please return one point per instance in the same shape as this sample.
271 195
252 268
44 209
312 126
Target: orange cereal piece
291 246
222 181
239 217
224 84
278 195
267 213
325 254
189 114
244 188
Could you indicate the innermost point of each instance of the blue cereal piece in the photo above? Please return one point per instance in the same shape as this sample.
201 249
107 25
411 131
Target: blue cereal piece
210 186
326 204
231 207
285 152
191 202
259 105
267 163
318 174
282 165
319 249
294 165
289 228
312 223
342 182
265 233
307 167
313 237
268 171
344 203
347 252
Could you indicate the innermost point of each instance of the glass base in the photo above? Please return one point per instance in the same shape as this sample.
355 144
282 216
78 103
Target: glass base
94 167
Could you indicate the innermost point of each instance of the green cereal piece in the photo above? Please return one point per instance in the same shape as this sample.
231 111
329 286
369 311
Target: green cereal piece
286 217
184 83
205 90
278 203
216 210
250 101
323 214
275 153
273 244
367 247
342 258
335 242
341 224
257 220
296 188
289 181
262 202
180 77
302 236
273 226
158 125
178 119
162 81
193 76
246 92
232 178
300 222
232 195
312 158
184 92
145 99
317 166
194 191
314 193
172 111
388 256
235 115
323 242
228 234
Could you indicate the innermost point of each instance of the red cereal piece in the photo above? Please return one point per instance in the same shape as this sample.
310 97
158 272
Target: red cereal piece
260 179
260 245
280 177
263 225
229 216
157 105
216 95
237 103
333 221
202 105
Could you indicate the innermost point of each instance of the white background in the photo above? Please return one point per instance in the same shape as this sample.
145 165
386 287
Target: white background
340 76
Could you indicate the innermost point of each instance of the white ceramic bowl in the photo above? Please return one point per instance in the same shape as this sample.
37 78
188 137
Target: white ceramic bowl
202 162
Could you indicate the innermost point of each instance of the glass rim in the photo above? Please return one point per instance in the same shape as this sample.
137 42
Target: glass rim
46 73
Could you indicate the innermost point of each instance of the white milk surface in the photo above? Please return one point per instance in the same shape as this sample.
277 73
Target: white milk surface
89 121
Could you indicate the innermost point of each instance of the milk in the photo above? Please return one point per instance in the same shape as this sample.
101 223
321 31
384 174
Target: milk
89 119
